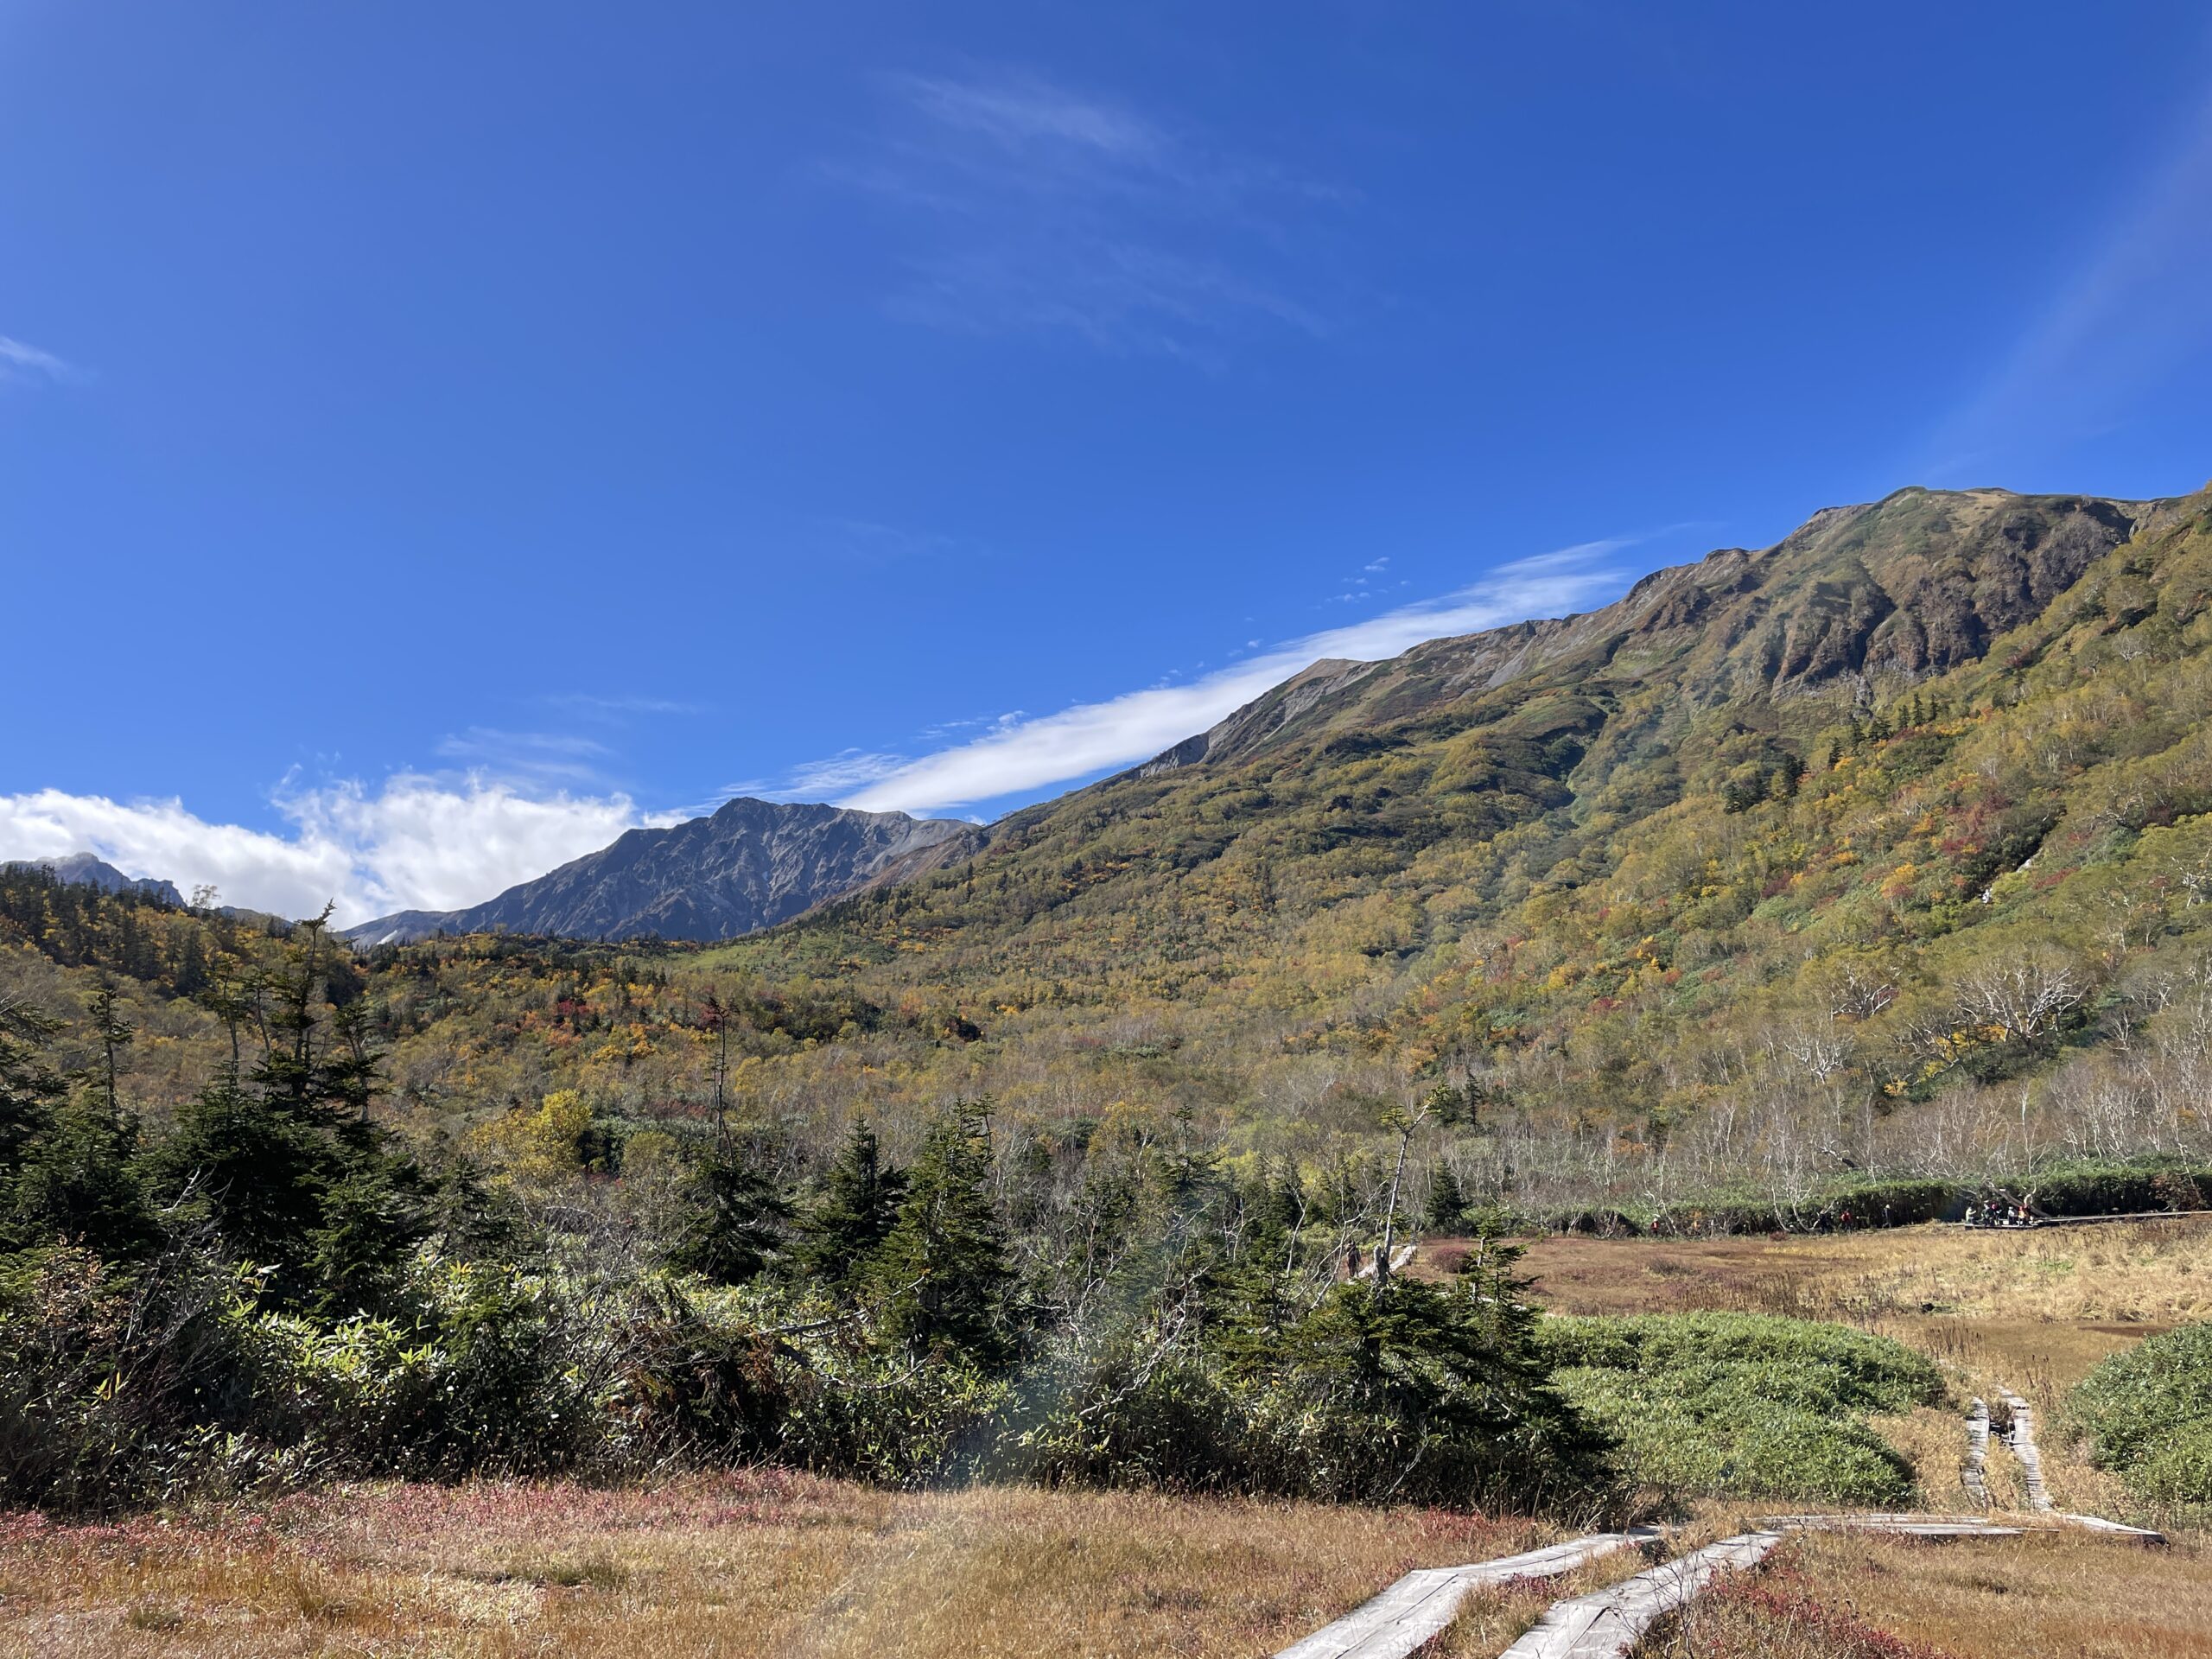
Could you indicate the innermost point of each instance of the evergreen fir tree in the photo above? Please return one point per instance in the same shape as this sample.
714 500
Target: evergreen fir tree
287 1164
854 1213
945 1265
78 1184
1446 1202
735 1223
28 1085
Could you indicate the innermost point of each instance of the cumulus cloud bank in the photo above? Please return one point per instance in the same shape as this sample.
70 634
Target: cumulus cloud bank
1094 737
415 843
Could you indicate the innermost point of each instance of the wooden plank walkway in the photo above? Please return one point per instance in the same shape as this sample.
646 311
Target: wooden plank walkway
2098 1523
2095 1221
1975 1475
1907 1526
2020 1436
1419 1606
1606 1624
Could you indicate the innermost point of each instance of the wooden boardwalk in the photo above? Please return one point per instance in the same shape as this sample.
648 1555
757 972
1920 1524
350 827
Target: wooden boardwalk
1974 1475
2020 1437
1419 1606
1608 1623
1903 1526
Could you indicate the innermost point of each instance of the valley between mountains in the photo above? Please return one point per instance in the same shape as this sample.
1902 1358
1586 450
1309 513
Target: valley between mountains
1839 887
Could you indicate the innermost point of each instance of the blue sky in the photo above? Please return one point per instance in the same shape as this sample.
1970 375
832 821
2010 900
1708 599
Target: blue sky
433 438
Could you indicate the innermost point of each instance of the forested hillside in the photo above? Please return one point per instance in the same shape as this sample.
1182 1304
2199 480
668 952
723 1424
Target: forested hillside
1882 849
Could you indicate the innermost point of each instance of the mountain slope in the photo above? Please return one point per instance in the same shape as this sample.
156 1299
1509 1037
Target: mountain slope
1764 869
1909 587
750 865
1739 886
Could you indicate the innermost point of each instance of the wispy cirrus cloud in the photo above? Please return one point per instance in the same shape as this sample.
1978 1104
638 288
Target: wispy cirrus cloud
19 361
1031 207
2131 314
529 757
621 706
1022 753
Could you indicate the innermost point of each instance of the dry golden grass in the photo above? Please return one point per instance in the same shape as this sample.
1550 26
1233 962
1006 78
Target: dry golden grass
2050 1595
2031 1311
2122 1279
742 1564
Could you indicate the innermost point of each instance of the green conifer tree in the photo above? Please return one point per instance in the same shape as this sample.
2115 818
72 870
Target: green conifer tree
853 1212
944 1265
1446 1202
735 1219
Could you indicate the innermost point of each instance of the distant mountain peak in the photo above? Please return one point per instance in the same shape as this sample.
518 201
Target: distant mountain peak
747 865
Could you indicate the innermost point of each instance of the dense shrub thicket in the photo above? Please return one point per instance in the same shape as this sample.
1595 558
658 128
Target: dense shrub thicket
2147 1413
1744 1403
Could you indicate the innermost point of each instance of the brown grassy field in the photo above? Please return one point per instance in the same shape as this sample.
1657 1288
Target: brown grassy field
2051 1595
744 1564
2118 1282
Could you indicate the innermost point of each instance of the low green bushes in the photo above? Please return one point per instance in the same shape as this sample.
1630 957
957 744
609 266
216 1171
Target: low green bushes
1743 1403
2147 1414
2079 1187
1399 1392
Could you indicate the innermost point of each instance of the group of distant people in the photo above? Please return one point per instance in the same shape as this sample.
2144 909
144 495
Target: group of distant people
1998 1213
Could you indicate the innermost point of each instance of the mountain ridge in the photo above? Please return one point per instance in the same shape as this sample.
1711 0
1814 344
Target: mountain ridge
2014 553
747 865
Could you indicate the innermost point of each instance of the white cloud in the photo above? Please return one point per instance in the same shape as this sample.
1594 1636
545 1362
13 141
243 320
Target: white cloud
1096 737
813 780
1035 208
615 708
2132 314
415 843
544 757
20 361
1022 111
